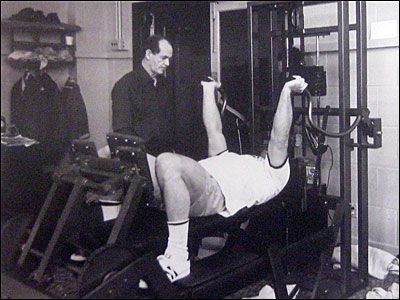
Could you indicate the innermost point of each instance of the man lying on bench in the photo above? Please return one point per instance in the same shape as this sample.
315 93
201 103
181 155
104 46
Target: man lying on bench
223 183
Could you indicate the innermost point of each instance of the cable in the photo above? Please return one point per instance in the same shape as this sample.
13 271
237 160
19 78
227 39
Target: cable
330 217
226 107
311 138
330 169
331 134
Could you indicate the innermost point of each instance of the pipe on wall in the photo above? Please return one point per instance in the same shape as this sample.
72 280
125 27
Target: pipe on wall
118 20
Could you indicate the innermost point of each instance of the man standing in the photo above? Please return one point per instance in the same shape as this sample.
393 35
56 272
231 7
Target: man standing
141 101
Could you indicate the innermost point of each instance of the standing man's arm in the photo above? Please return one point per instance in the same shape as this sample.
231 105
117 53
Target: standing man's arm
122 114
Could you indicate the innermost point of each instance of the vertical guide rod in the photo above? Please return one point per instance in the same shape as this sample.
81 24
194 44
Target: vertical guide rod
345 155
250 37
303 98
362 153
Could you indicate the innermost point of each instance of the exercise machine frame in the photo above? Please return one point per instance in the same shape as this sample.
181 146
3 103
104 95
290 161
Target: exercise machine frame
367 127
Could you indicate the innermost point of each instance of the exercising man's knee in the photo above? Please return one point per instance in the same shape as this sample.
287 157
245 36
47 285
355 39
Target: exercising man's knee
168 166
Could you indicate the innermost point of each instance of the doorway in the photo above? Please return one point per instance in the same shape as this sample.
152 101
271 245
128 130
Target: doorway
234 74
230 64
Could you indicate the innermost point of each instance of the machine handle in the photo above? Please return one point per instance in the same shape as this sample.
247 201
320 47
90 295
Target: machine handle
225 106
331 134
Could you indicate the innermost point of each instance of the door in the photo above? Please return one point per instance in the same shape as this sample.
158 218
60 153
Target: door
230 64
186 25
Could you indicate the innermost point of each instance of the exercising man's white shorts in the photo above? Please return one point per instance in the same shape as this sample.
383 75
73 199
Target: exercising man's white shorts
245 180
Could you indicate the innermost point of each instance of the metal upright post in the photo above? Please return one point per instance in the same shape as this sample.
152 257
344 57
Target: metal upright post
345 155
60 229
303 98
362 152
251 58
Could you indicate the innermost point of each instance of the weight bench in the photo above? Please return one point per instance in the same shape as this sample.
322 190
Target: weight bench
236 265
130 253
238 253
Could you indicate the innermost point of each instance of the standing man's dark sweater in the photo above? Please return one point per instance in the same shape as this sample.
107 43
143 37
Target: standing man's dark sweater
141 100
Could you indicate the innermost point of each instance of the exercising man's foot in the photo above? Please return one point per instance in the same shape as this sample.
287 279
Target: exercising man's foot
175 269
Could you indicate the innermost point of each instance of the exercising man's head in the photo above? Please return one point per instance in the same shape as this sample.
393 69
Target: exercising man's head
157 52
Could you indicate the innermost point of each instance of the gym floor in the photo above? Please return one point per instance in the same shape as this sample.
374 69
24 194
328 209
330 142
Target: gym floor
248 292
254 289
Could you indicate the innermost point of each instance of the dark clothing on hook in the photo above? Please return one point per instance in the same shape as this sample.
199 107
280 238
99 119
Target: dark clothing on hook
35 111
74 114
143 109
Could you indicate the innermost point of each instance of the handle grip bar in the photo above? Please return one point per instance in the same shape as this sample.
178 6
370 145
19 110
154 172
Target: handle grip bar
327 133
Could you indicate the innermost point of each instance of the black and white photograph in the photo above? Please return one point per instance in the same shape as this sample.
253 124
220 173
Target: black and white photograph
200 149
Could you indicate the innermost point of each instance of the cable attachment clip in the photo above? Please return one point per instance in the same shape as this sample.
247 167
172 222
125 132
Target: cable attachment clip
371 127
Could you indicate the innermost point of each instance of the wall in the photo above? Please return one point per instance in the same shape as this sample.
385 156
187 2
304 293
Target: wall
98 68
383 102
9 75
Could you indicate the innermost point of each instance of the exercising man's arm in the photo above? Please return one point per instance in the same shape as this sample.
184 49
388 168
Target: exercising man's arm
278 144
212 120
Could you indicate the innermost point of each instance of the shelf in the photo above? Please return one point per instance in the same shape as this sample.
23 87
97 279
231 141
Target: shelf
24 45
37 31
39 27
34 64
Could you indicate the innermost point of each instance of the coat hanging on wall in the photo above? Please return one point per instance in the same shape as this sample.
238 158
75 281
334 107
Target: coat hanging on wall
40 111
73 112
35 111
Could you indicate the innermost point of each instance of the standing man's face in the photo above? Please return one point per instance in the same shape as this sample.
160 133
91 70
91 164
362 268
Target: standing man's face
160 61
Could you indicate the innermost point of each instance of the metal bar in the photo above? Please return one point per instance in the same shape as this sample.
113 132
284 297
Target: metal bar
271 23
362 153
38 223
128 211
327 253
345 155
303 98
315 31
250 37
73 178
280 4
278 271
354 112
36 252
72 200
124 283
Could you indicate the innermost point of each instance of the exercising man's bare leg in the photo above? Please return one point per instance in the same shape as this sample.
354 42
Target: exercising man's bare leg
183 183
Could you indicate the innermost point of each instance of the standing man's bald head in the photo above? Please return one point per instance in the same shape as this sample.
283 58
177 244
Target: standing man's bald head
157 52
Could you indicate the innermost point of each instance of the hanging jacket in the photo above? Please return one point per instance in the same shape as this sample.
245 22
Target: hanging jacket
74 120
35 111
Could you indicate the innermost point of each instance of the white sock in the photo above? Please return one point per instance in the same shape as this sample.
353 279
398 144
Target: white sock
178 239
